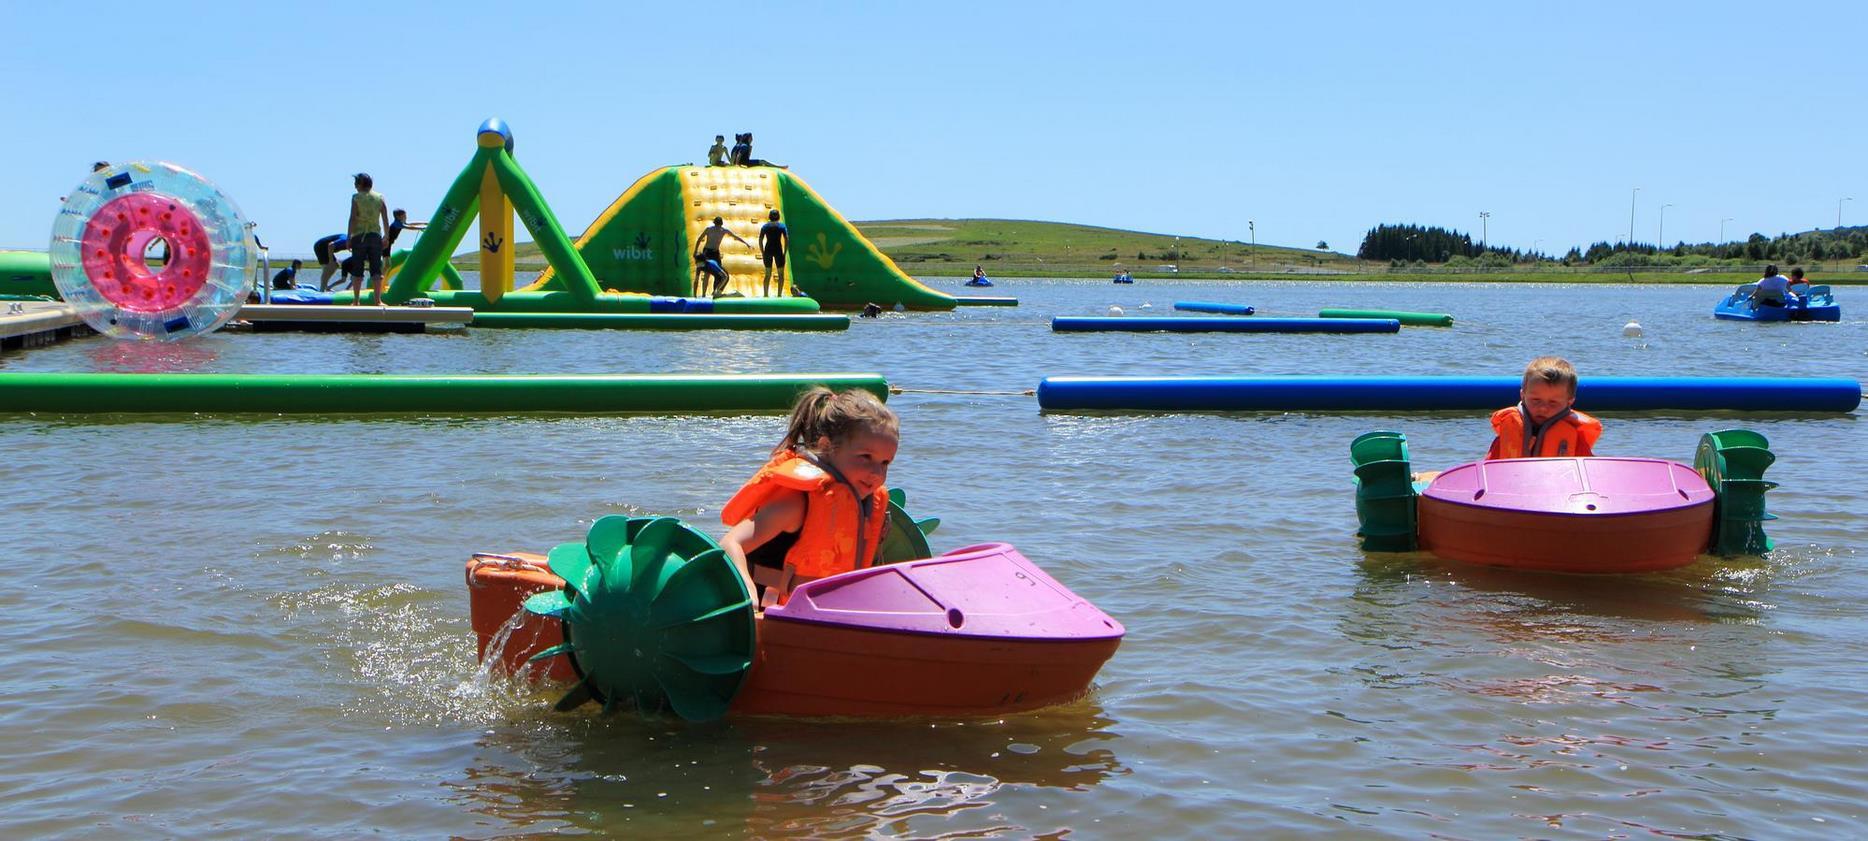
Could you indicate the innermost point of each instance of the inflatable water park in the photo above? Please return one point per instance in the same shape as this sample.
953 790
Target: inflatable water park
635 258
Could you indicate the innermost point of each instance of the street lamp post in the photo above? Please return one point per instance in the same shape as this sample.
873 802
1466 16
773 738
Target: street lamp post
1722 229
1253 227
1839 211
1660 236
1485 226
1631 201
1535 245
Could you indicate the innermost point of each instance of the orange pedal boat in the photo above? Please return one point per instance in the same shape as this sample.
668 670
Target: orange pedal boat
978 631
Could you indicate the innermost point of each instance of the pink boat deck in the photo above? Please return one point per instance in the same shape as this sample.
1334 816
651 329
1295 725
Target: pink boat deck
1598 515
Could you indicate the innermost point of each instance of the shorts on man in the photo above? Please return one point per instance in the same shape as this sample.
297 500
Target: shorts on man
325 245
369 248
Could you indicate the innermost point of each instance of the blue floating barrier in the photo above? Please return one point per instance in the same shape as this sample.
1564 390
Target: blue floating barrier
1307 393
1215 306
1170 324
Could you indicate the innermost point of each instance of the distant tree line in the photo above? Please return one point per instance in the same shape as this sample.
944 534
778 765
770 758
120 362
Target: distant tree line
1789 249
1408 244
1424 243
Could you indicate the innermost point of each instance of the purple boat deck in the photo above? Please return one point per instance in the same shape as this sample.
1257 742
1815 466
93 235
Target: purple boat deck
988 590
1592 514
1573 485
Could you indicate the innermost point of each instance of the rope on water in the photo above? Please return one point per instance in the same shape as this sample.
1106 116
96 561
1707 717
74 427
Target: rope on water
1030 392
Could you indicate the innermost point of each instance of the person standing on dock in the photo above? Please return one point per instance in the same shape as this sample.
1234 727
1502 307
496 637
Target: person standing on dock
773 239
369 216
707 247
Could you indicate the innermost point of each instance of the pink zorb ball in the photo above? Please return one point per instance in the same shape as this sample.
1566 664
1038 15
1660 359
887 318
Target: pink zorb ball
149 250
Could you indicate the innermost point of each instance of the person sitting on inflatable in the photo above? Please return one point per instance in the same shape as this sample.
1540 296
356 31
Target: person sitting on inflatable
1543 424
818 507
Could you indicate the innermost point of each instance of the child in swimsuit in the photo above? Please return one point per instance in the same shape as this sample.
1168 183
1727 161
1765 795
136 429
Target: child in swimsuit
819 505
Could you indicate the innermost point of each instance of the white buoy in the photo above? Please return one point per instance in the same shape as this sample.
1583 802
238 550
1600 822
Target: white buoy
1632 330
1147 306
1115 310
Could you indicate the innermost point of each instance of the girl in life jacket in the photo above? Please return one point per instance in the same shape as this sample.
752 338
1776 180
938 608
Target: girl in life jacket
819 505
1543 424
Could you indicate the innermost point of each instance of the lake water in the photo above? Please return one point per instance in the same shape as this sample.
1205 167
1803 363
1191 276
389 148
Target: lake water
256 627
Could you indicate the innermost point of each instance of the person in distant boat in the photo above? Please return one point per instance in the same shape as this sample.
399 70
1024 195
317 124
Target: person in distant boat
1544 424
1773 289
773 238
717 154
820 505
707 248
1796 277
979 277
325 249
742 153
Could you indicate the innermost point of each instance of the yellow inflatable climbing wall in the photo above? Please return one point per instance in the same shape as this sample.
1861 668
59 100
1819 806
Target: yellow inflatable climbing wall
743 196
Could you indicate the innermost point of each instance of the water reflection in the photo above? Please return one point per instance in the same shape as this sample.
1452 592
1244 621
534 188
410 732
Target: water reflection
128 357
775 777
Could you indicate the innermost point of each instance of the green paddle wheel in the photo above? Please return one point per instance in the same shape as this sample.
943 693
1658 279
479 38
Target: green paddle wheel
1733 461
655 613
1385 493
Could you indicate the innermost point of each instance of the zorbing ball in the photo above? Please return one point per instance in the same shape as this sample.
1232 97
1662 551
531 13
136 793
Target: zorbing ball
149 250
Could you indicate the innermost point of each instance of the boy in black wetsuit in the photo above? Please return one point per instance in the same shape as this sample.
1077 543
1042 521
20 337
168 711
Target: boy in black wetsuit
773 239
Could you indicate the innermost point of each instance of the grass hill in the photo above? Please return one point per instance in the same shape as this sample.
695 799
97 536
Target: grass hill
1019 247
1026 248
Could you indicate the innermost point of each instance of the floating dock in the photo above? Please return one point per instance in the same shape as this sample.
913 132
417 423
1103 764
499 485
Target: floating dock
28 324
1594 394
336 318
1171 324
660 321
341 394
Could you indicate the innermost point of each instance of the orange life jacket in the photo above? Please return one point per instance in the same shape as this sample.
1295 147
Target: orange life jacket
837 535
1569 434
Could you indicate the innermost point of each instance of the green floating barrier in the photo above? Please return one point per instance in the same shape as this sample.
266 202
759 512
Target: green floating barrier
502 394
984 301
1733 462
654 612
1385 493
660 321
1409 319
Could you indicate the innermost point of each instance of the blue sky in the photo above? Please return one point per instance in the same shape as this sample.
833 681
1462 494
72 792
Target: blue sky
1315 120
